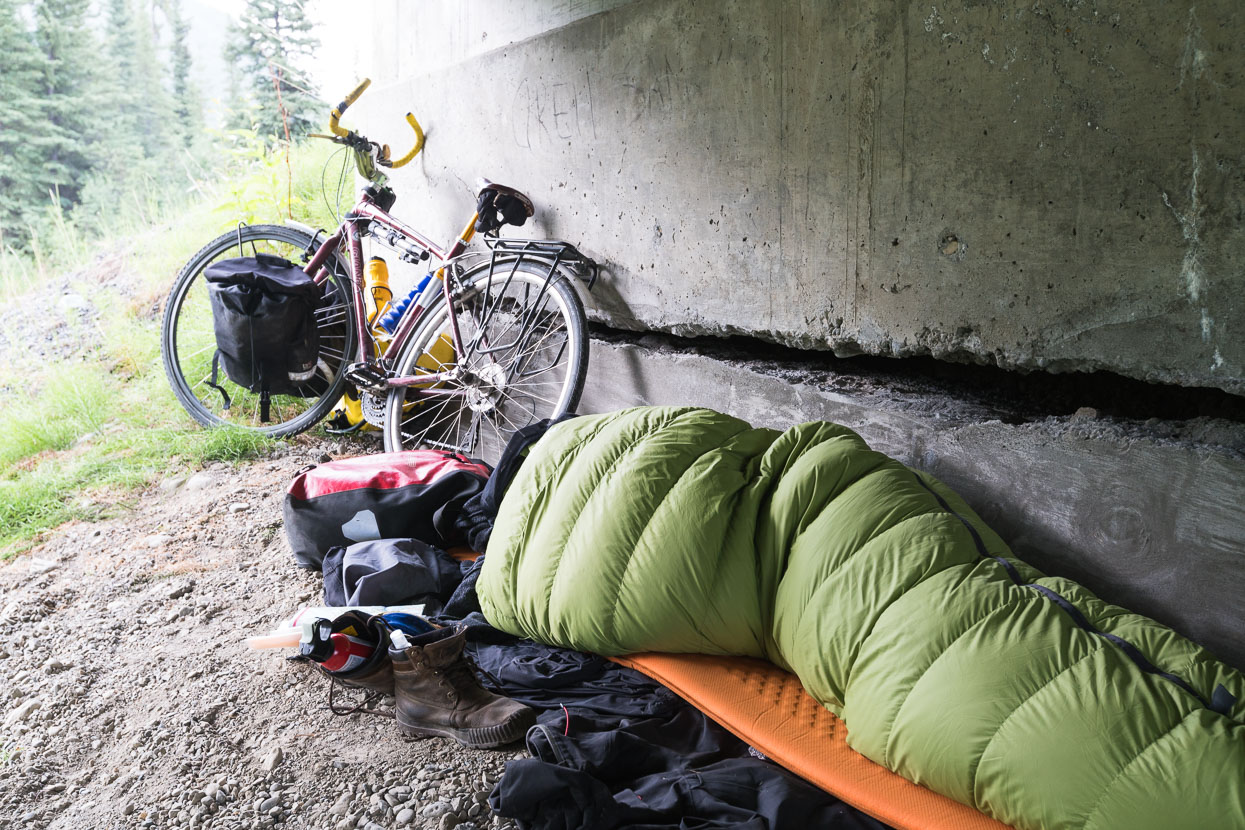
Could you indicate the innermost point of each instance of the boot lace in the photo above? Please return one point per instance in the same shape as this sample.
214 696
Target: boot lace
366 706
493 685
463 673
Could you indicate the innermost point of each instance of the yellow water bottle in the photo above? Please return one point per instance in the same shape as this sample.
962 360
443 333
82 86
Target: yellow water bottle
376 292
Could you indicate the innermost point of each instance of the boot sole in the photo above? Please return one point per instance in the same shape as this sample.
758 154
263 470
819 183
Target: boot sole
481 737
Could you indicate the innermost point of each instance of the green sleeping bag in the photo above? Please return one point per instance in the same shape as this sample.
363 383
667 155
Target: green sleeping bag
952 663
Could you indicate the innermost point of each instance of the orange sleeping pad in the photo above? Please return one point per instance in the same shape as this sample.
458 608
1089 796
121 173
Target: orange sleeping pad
768 708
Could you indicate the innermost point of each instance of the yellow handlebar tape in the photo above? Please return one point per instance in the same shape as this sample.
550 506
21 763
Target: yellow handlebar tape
354 95
338 130
345 104
419 141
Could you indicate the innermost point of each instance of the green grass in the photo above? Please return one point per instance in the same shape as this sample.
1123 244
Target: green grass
83 450
83 436
76 405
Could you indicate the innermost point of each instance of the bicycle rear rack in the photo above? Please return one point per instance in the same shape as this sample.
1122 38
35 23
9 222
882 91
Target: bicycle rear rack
553 251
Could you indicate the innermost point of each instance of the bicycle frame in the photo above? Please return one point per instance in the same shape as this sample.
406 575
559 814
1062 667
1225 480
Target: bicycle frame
365 215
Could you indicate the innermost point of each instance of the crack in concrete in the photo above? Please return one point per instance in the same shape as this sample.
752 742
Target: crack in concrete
1193 56
1191 228
962 390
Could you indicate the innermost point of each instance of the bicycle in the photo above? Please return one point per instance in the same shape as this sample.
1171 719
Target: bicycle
492 340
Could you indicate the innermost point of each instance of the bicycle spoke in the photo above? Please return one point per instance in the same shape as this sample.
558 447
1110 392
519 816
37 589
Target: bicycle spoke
519 362
516 427
336 353
435 415
537 347
528 376
186 358
517 365
518 345
540 398
448 406
440 367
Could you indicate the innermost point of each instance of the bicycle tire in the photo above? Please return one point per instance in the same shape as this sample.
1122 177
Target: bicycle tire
188 344
497 392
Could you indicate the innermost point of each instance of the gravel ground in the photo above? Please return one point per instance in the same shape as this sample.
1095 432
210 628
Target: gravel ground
129 697
132 700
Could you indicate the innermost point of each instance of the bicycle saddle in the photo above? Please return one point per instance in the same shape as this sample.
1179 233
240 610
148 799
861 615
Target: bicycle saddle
499 205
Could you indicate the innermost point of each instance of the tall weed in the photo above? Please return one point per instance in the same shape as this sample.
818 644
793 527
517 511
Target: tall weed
77 402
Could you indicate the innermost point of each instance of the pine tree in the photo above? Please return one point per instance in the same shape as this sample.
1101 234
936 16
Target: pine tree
21 164
187 108
70 128
140 106
273 39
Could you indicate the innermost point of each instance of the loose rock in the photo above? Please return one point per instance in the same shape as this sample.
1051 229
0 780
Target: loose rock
22 712
273 759
171 483
200 481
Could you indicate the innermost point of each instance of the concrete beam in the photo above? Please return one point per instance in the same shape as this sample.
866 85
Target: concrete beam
1039 185
1152 527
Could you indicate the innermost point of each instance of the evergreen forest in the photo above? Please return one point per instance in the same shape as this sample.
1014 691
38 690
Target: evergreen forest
101 117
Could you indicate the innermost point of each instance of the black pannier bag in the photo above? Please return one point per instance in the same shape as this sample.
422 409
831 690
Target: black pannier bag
415 494
263 312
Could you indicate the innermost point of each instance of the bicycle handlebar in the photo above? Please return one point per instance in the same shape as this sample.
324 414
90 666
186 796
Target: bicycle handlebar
341 132
344 105
419 142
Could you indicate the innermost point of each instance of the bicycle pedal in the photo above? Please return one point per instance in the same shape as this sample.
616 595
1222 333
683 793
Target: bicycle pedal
369 378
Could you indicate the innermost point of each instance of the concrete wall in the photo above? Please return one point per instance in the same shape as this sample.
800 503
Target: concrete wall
1037 184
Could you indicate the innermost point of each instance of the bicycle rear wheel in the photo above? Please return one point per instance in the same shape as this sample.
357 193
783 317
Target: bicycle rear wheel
526 355
188 340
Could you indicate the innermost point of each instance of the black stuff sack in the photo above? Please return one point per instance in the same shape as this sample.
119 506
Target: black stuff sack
415 494
390 572
263 313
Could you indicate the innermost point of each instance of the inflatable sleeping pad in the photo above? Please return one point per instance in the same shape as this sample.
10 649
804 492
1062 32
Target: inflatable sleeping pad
951 662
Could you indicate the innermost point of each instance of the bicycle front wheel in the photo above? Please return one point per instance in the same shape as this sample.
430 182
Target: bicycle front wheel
525 355
188 340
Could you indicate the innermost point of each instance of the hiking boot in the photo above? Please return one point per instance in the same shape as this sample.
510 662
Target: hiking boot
438 694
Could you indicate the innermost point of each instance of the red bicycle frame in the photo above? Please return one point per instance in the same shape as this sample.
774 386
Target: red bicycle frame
366 214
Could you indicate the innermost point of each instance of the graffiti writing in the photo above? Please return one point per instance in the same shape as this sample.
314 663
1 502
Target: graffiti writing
545 111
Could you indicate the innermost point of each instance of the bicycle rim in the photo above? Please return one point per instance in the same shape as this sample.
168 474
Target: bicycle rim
526 355
188 340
